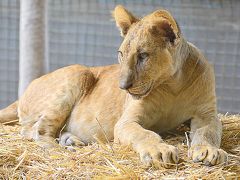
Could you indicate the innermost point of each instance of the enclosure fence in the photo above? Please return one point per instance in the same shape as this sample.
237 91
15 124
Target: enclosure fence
83 32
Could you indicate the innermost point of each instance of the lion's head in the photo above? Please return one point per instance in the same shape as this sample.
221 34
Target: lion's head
145 54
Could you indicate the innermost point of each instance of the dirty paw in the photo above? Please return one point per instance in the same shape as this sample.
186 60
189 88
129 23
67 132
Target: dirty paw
68 139
209 155
159 155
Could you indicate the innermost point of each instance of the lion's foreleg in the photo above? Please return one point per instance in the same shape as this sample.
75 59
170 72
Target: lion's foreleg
148 144
206 140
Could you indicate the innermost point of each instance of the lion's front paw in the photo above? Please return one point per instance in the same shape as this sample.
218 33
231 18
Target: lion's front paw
209 155
159 155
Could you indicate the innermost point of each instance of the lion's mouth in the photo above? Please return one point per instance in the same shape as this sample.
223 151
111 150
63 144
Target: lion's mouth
141 94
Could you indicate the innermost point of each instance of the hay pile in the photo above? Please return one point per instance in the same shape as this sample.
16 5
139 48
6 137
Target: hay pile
22 159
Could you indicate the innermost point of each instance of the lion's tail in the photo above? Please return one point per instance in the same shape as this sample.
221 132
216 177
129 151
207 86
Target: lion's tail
9 114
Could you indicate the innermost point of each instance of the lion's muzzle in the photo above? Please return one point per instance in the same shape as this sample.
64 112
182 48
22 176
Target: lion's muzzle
126 79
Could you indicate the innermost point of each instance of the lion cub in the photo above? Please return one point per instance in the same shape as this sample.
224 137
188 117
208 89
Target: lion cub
163 80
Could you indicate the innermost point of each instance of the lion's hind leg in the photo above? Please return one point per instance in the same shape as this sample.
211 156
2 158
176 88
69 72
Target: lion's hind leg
70 141
44 120
43 117
44 129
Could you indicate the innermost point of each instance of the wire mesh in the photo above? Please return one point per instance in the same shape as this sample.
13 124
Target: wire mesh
9 42
83 32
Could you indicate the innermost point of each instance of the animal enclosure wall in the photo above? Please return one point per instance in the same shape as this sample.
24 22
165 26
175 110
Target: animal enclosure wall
83 32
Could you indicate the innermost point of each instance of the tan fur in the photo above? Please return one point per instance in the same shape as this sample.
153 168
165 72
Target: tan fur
166 80
9 114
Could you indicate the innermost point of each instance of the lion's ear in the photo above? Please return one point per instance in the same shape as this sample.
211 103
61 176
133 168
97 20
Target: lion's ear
162 30
165 26
124 19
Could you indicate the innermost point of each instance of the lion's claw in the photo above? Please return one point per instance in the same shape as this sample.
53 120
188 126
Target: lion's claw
159 155
208 155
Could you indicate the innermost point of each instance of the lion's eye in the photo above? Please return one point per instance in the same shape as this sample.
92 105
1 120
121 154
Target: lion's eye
120 56
142 56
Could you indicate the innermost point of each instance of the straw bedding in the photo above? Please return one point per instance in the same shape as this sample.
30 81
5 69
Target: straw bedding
23 159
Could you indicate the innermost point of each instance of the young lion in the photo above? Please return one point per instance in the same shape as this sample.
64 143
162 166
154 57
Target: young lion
164 80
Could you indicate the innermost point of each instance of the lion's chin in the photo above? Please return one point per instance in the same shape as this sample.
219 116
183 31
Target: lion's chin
141 95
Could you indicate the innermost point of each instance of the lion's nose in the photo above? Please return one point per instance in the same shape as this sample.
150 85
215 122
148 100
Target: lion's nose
125 84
